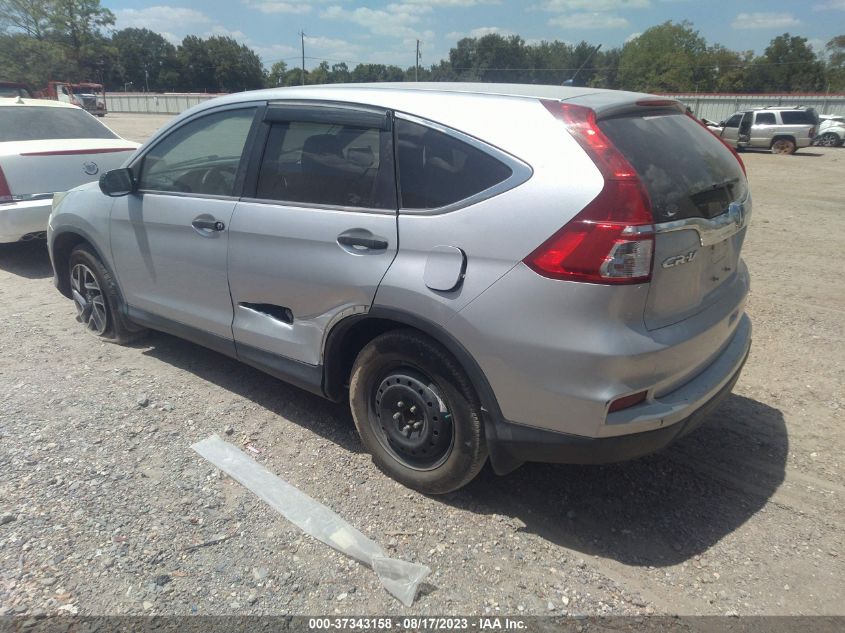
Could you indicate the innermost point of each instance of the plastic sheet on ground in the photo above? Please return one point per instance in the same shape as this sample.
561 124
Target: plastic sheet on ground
399 577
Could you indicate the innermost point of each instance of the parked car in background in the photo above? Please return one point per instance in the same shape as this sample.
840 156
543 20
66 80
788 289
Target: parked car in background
48 147
14 89
780 129
831 130
568 289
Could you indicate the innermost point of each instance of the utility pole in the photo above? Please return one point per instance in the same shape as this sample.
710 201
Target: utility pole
302 36
417 63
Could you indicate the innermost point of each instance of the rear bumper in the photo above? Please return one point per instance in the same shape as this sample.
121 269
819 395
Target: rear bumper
23 218
687 408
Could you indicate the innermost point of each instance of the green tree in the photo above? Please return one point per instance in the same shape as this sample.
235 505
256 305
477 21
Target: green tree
30 17
276 76
145 58
835 67
235 66
33 61
78 24
197 70
665 58
727 69
787 65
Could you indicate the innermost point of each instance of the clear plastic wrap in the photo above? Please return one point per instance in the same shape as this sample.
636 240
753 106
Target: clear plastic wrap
399 577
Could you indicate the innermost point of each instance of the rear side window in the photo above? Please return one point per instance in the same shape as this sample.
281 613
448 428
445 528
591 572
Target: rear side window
687 171
797 117
328 164
33 123
436 169
201 157
765 118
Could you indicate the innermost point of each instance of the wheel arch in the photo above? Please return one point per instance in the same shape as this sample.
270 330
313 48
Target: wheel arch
61 245
783 137
351 334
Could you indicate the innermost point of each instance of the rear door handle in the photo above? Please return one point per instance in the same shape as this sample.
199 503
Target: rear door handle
372 243
208 225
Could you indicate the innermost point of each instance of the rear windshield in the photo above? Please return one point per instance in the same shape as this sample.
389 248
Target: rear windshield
687 171
31 123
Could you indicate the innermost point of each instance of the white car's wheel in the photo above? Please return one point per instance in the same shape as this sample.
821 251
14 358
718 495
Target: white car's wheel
829 139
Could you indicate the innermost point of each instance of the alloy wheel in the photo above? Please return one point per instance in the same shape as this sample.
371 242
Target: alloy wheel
88 299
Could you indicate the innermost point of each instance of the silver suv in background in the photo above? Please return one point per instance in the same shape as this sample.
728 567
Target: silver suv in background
564 288
781 129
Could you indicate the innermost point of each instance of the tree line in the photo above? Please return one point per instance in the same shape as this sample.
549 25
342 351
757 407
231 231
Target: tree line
75 40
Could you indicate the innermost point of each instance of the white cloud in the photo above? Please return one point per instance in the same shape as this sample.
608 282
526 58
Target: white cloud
479 32
589 21
633 36
272 6
395 20
592 5
160 18
830 5
762 20
451 3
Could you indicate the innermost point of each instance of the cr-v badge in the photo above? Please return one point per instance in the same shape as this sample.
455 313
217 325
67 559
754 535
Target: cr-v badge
679 260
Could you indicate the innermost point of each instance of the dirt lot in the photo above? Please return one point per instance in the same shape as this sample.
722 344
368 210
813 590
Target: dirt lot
101 498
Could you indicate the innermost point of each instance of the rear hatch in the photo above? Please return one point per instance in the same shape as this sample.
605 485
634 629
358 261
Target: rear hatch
699 198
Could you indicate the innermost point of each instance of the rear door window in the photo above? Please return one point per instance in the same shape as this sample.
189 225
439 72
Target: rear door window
797 117
765 118
328 164
687 171
436 169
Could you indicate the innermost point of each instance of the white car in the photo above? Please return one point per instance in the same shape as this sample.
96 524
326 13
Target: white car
831 130
48 147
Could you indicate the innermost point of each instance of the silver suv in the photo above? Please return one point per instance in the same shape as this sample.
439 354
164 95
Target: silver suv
527 273
781 129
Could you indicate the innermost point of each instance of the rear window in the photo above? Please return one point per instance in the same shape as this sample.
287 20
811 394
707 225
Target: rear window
31 123
797 117
687 171
436 169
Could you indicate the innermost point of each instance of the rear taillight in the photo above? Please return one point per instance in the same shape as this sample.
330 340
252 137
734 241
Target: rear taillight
812 132
611 241
5 192
725 143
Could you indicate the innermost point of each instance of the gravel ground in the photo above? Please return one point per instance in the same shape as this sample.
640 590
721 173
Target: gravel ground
104 509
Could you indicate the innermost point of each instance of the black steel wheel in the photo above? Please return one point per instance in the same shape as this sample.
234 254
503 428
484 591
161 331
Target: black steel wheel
416 412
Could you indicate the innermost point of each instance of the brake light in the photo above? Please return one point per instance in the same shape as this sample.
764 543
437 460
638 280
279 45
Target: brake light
5 192
611 241
812 132
730 147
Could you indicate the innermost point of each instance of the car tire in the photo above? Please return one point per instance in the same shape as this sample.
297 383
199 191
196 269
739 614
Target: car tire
828 139
417 413
784 146
97 298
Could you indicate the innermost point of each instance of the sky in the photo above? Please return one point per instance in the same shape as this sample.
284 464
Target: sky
385 32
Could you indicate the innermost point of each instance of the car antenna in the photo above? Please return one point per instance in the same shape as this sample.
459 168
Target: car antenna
571 80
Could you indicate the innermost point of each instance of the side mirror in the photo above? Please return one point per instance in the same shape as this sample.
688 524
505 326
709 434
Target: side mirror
721 124
117 182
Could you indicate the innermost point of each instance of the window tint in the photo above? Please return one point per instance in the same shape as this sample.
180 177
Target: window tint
328 164
765 118
34 123
436 169
201 157
680 183
734 121
797 117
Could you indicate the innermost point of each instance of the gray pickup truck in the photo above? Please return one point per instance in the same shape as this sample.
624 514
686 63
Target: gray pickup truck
783 130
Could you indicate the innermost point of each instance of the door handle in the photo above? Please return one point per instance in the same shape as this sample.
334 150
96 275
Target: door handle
372 243
208 225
